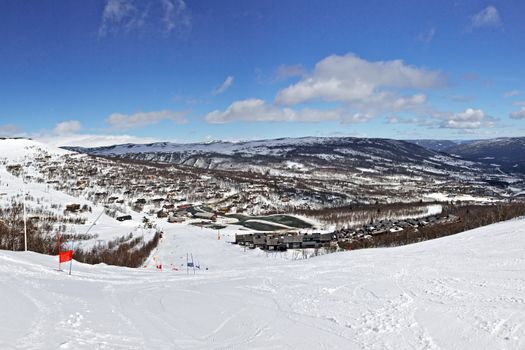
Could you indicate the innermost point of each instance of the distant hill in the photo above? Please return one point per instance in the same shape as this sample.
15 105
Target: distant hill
507 153
437 145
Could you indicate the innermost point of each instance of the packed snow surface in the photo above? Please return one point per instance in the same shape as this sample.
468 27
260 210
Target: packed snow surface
460 292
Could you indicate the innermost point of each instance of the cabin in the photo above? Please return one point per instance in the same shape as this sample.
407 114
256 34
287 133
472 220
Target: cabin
293 241
124 218
73 208
275 243
244 239
205 215
325 237
224 210
175 219
14 168
259 240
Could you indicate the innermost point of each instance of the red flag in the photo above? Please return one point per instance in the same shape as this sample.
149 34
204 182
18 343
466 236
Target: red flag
65 256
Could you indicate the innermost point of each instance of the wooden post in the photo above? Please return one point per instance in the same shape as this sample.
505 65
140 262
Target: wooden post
25 221
71 261
58 239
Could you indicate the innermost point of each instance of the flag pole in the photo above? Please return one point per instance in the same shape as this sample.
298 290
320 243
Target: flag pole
71 261
25 220
58 239
25 216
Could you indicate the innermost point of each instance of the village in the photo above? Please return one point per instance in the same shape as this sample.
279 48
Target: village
273 213
282 241
161 189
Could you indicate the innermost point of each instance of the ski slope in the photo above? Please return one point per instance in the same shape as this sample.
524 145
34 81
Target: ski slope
460 292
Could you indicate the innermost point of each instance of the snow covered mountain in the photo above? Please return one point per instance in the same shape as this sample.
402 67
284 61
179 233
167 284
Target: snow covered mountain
345 154
459 292
362 167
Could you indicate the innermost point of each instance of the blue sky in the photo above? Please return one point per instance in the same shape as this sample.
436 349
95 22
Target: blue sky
112 71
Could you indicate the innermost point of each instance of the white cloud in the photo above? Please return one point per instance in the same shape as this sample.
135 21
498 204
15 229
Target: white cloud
469 119
409 101
511 93
471 76
428 121
175 15
427 36
518 114
123 16
9 130
488 17
289 71
120 15
356 118
392 120
224 86
461 98
256 110
364 89
362 84
519 103
120 121
67 127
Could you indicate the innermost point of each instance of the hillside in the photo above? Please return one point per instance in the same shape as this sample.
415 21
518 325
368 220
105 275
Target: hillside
46 201
507 154
436 145
463 291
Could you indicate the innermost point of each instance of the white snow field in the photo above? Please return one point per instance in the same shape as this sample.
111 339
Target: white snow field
460 292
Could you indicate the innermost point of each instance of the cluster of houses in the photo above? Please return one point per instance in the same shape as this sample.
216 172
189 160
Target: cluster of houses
281 241
390 226
143 188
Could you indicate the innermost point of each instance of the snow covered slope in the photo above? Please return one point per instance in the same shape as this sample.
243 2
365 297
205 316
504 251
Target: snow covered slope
43 200
461 292
17 149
